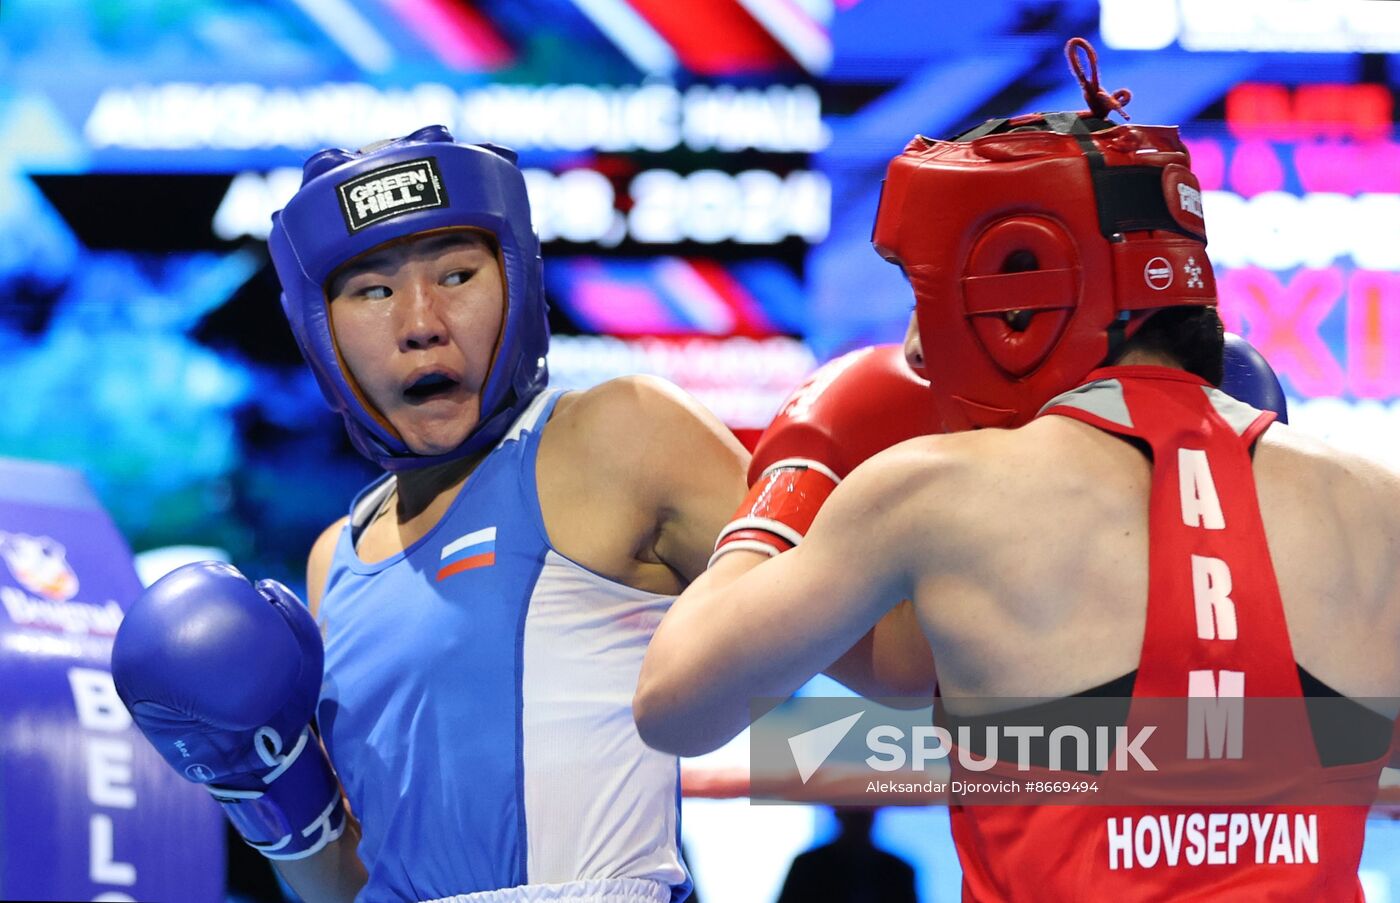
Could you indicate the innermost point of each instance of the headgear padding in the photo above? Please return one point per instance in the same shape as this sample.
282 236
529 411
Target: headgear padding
353 201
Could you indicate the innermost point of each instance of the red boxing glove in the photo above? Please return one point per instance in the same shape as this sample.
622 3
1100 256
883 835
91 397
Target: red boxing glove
850 409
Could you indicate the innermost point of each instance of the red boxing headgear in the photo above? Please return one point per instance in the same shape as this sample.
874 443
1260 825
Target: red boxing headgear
1035 245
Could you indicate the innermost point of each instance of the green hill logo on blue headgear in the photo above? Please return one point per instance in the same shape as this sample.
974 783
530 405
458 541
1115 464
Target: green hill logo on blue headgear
391 191
351 202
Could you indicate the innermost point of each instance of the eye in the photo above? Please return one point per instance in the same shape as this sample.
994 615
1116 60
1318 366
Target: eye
457 277
374 292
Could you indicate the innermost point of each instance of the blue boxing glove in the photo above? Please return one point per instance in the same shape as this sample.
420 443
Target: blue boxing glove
222 676
1250 379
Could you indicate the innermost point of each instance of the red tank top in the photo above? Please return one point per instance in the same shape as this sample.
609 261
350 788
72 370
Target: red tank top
1215 628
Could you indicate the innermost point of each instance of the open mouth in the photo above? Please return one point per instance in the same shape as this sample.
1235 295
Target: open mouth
430 386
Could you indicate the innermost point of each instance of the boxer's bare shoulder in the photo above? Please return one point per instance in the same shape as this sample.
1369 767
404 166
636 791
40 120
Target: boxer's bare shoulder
1296 462
624 421
905 505
318 563
1004 533
1333 522
987 489
645 462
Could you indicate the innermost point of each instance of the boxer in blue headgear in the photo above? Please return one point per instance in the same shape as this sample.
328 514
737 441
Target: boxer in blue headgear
486 603
1245 375
351 203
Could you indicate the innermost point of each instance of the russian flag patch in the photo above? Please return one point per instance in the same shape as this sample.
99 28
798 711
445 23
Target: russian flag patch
476 549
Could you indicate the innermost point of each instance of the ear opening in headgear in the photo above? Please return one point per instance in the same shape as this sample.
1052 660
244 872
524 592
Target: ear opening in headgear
1022 260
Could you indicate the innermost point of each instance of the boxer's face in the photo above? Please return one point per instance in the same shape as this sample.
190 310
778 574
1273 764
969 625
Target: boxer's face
417 324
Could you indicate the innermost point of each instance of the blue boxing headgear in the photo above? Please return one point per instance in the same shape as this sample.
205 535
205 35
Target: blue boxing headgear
1250 379
353 201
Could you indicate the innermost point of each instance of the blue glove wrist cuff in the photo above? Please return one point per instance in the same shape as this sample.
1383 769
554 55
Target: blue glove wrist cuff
297 812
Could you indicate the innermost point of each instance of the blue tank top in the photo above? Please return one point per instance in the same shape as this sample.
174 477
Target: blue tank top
477 702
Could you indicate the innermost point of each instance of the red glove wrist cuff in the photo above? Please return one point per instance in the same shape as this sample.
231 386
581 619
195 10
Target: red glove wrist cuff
779 508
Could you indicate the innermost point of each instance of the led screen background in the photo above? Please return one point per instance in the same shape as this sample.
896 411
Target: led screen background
704 174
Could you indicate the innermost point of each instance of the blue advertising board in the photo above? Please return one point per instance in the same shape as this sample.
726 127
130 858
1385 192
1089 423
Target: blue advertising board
88 810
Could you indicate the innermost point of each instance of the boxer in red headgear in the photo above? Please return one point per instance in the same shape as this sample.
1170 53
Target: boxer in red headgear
1035 247
1101 520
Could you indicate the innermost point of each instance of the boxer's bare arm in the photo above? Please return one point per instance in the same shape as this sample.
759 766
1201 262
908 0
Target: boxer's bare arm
697 481
678 474
318 564
1333 522
892 661
635 481
693 472
743 631
335 873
